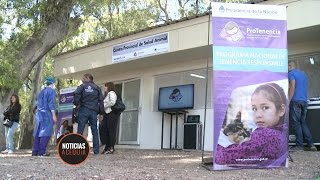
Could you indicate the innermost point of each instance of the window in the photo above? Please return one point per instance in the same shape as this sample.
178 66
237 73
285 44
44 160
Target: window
310 64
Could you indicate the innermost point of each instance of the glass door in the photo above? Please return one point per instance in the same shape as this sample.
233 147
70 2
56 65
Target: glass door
129 120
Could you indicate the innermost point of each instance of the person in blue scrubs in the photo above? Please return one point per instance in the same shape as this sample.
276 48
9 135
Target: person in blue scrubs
45 118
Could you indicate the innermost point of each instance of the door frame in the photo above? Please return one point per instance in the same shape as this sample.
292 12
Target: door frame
138 109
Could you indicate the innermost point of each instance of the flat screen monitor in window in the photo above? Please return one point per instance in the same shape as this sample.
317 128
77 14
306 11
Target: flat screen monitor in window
176 97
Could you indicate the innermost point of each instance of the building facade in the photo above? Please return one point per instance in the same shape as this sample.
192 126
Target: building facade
185 57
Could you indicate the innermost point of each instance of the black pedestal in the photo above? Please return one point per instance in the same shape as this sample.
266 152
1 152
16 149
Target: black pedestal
192 136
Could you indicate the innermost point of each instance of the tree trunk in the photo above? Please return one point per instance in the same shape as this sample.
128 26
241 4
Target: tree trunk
4 103
26 128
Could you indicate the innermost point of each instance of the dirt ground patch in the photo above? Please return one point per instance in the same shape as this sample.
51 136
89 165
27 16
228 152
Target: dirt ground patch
147 164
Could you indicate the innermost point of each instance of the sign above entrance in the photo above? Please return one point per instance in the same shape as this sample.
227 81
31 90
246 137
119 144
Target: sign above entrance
141 47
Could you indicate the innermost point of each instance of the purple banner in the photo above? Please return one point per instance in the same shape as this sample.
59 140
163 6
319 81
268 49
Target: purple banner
250 103
232 81
65 106
258 33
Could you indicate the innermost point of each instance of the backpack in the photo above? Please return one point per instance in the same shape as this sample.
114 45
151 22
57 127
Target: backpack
118 107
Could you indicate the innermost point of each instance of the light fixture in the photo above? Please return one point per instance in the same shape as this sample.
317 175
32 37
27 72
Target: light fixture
198 76
311 60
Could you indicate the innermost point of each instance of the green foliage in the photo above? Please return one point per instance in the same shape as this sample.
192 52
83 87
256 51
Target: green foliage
25 101
17 21
118 18
101 19
202 7
23 21
8 69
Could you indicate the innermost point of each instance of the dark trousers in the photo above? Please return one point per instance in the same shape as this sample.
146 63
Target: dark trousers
103 131
87 115
40 145
297 117
108 129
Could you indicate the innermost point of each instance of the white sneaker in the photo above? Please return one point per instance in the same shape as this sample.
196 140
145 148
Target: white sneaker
5 151
10 152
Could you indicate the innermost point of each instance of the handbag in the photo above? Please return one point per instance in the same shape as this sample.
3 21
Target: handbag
75 115
101 108
118 107
7 122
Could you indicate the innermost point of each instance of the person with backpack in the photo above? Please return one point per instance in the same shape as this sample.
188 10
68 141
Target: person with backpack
108 128
89 101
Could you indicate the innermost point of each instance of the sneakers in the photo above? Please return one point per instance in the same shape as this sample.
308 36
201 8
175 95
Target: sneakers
104 151
5 151
111 151
45 154
296 148
313 148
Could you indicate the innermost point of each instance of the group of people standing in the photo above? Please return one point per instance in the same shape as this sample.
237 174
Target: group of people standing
89 100
45 118
91 103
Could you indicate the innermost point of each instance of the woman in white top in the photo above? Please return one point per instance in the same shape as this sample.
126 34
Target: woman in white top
108 127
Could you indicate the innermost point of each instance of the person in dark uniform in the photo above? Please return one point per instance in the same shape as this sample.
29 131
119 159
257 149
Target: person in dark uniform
88 99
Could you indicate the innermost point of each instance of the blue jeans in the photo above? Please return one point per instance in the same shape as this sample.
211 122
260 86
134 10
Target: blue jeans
87 115
297 117
9 133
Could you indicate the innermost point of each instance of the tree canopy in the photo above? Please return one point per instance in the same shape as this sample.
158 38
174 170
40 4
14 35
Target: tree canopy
31 28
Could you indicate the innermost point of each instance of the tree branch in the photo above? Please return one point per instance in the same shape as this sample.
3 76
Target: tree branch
56 29
197 7
164 9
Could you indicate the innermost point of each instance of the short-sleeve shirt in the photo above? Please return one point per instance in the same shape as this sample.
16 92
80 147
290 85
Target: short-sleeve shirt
301 88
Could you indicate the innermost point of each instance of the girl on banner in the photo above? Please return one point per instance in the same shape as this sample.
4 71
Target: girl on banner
267 145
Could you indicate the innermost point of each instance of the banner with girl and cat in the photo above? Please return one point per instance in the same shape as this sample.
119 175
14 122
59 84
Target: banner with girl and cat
250 64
